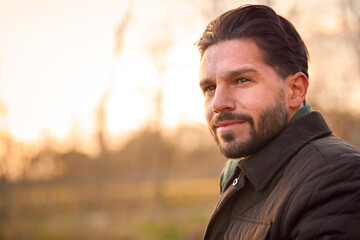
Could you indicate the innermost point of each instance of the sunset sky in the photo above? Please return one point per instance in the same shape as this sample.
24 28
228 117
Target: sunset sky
57 60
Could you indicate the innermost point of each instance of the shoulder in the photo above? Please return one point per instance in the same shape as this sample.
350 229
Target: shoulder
323 165
323 153
333 149
329 192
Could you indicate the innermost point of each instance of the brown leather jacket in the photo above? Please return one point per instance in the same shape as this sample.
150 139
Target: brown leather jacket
304 184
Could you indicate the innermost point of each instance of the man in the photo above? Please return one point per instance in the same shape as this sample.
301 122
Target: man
290 177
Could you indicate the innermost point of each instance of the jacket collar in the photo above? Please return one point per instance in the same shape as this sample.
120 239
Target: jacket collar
261 167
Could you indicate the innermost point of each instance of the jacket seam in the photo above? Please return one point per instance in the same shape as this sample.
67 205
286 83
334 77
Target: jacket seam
300 185
320 152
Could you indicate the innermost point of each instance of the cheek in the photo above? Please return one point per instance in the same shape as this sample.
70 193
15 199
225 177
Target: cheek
254 101
208 111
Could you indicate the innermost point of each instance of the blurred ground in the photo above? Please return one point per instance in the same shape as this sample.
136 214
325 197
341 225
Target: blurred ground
104 219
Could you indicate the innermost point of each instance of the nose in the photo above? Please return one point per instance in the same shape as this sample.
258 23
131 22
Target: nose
223 100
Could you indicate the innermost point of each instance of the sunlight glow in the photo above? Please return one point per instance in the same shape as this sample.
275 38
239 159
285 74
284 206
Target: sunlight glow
57 62
55 70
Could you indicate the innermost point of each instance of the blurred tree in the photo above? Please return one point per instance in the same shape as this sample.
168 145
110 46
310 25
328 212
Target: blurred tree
333 40
121 30
157 49
101 125
5 138
119 35
211 9
103 165
351 23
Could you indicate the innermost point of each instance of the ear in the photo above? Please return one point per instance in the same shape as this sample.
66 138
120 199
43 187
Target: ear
297 86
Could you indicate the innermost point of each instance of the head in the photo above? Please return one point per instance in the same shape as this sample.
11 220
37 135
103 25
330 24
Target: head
281 45
253 74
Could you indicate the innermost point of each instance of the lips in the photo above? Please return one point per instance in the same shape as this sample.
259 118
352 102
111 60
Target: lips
229 121
227 125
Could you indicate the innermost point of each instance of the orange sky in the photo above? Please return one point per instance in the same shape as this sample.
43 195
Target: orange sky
57 60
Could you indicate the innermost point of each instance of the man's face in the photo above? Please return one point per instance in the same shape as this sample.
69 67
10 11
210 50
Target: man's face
245 100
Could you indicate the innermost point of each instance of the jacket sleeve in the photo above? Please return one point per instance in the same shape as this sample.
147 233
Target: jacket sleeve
327 204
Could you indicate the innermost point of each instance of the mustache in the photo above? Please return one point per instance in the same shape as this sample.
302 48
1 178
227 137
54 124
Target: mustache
229 116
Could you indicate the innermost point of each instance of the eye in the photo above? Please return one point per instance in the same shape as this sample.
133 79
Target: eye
242 80
208 89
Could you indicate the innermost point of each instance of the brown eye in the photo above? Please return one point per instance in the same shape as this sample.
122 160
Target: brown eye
242 80
210 88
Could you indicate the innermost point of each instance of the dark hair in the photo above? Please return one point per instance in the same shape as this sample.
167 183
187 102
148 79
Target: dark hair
280 44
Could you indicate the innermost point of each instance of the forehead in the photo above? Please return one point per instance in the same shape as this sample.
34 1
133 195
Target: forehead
230 55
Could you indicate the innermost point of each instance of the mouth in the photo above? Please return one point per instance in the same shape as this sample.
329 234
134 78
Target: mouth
229 125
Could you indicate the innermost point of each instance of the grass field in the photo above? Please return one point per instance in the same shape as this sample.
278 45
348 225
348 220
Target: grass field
179 211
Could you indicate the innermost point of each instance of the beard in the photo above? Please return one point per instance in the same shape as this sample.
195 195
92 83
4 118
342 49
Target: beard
272 121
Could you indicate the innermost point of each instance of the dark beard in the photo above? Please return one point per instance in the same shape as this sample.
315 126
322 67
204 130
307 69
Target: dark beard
271 122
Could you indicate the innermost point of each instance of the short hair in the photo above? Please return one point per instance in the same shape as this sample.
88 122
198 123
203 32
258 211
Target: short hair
280 44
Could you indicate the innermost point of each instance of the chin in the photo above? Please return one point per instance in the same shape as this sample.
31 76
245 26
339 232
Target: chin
232 150
237 148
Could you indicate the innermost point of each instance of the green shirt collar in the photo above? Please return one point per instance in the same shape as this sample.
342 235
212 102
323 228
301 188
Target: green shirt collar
303 111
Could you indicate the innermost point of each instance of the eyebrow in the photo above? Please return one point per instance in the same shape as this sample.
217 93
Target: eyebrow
205 82
230 74
239 72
